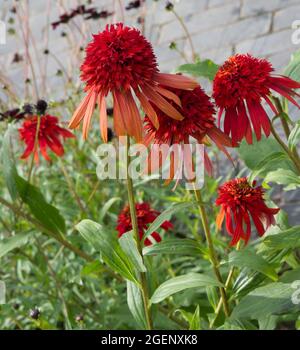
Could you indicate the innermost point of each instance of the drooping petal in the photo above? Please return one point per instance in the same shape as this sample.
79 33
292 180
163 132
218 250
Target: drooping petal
88 115
168 94
175 81
161 103
136 122
255 119
247 131
148 109
118 118
102 117
80 111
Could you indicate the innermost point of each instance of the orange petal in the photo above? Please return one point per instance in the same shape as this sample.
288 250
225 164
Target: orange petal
217 134
220 218
176 81
103 117
88 115
135 118
124 111
168 94
80 111
118 119
148 109
161 103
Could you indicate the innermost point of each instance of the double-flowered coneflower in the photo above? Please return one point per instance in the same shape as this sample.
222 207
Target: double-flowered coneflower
242 83
121 61
240 203
145 216
198 122
49 136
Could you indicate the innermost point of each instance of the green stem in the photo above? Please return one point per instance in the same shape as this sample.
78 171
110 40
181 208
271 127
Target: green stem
290 154
227 284
71 186
188 35
212 253
134 222
285 125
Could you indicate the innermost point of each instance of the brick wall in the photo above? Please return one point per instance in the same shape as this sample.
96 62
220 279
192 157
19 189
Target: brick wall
218 29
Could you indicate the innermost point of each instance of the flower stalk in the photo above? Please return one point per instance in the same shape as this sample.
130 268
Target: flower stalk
134 222
212 253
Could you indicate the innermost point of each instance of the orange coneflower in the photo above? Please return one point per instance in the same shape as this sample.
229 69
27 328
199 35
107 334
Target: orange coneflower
240 202
240 86
121 61
198 122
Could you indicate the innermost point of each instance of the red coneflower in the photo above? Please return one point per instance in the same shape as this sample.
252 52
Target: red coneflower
240 86
48 136
121 61
145 216
198 122
240 202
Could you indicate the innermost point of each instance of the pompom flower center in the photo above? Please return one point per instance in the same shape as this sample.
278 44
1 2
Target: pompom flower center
118 58
241 77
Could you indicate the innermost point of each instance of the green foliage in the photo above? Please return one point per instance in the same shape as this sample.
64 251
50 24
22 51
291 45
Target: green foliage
105 243
181 283
206 69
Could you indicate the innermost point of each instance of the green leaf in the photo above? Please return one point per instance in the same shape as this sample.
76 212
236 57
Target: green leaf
45 213
129 246
187 247
106 243
180 283
135 304
207 69
248 258
284 177
253 155
294 137
9 169
272 299
195 323
284 240
107 206
293 68
266 164
166 215
8 244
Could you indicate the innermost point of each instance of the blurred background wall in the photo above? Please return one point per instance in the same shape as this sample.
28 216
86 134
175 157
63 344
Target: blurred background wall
50 55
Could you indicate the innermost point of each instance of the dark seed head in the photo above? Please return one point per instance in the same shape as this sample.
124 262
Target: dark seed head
28 108
169 6
41 106
35 313
16 306
79 318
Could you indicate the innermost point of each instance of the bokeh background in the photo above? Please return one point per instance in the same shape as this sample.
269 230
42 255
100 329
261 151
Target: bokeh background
40 59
